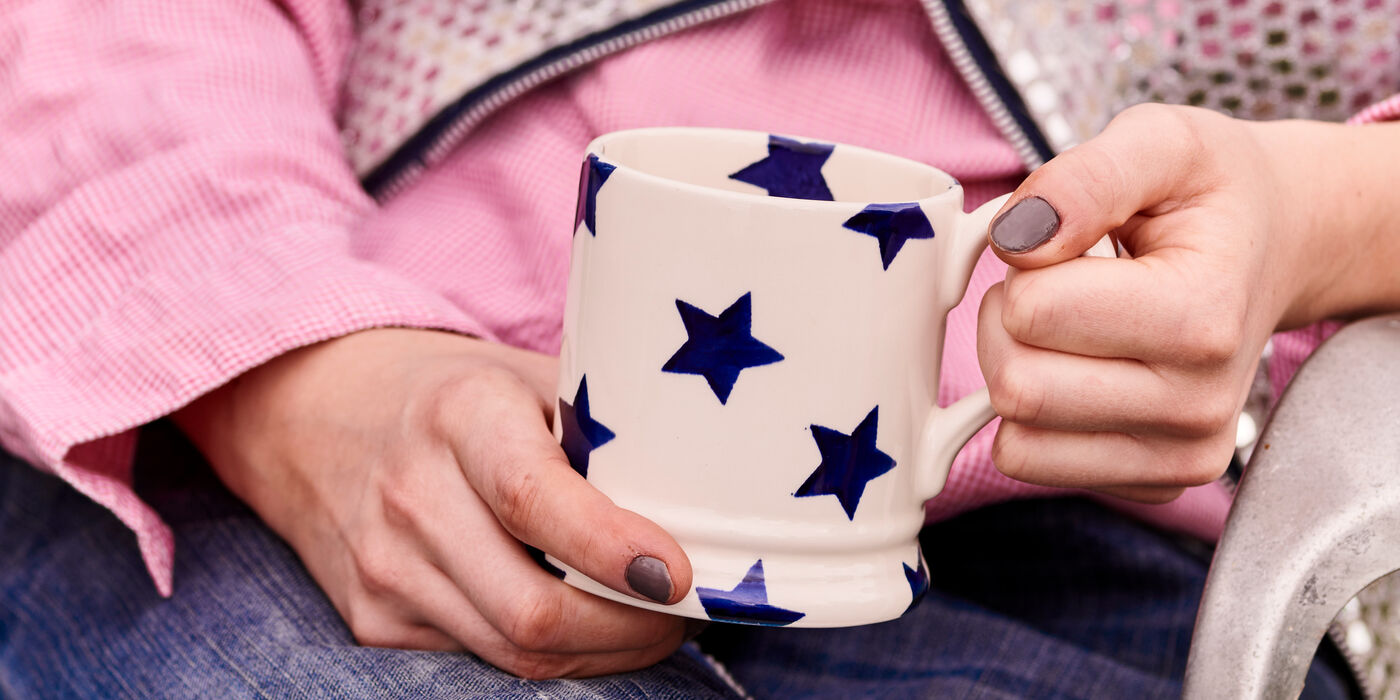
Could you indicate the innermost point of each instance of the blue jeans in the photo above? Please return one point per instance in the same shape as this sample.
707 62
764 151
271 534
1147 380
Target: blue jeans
1041 599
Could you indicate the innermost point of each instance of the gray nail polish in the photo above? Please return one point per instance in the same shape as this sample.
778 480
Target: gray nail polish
649 577
1025 226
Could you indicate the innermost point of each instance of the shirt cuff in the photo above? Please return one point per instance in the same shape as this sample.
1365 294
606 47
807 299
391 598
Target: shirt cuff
165 343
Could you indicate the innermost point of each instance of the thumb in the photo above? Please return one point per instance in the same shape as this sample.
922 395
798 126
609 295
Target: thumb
1067 205
526 479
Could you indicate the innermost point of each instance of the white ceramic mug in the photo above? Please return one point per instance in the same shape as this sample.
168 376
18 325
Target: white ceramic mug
751 355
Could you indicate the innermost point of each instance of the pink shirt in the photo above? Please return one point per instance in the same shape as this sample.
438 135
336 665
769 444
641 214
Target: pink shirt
175 206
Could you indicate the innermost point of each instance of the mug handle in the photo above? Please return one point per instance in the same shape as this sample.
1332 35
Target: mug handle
946 430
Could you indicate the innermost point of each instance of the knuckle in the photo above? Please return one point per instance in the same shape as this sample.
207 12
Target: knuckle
1177 122
1151 113
534 626
1216 343
1211 414
554 462
1201 466
400 502
1009 459
1157 496
518 500
535 667
1100 182
374 637
482 386
1181 126
375 568
1026 314
591 546
367 626
1015 395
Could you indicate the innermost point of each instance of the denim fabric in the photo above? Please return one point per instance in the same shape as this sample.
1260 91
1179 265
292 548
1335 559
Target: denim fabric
1033 599
1045 599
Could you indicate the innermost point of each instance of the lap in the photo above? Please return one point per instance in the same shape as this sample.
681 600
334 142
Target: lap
80 618
1046 599
1035 599
1052 598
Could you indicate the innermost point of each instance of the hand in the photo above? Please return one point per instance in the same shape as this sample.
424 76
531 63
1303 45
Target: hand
406 467
1127 375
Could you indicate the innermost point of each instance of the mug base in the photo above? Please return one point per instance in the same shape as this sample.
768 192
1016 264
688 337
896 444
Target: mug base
788 589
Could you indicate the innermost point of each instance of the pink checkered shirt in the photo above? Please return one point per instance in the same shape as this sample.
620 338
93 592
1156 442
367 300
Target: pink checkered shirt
176 207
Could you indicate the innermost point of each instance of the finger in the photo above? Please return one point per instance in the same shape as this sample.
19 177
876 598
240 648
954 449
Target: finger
1063 391
1129 465
538 371
1127 308
511 460
1155 495
589 665
412 637
491 573
1144 160
498 591
499 649
376 622
529 650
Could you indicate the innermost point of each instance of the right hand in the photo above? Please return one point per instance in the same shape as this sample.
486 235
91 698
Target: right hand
406 467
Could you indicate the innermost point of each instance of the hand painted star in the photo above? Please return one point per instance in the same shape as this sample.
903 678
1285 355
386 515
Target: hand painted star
582 434
792 169
893 225
849 462
719 347
918 583
595 173
746 603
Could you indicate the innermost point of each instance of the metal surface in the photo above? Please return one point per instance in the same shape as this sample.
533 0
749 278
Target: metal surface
1316 519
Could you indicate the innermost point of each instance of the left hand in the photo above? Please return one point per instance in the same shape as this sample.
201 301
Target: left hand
1127 375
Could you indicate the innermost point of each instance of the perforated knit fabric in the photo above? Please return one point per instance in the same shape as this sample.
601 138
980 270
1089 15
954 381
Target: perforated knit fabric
1075 63
415 58
1079 62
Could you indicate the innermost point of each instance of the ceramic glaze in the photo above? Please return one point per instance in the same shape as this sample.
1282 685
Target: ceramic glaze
751 352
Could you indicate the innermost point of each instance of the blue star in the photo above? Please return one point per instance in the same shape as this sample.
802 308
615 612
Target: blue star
892 225
719 347
848 463
746 603
792 169
595 173
918 583
582 434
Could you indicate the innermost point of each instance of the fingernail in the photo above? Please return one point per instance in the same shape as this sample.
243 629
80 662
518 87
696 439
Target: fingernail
649 577
1025 226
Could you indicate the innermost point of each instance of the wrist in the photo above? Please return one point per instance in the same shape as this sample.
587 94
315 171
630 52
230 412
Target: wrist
1335 205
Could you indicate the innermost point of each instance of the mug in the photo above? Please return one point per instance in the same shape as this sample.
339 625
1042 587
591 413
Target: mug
750 359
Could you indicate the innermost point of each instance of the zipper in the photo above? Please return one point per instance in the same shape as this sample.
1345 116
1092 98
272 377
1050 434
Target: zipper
449 137
986 80
983 76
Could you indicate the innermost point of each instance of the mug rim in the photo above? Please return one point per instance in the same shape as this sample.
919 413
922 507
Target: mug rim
595 147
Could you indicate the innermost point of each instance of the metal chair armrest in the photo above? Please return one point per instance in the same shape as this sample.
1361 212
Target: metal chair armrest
1316 519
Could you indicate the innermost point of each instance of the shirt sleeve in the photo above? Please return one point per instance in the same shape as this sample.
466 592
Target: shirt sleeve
175 208
1383 111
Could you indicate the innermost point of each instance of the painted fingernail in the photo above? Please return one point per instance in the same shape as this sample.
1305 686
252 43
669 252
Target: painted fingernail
1025 226
649 577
